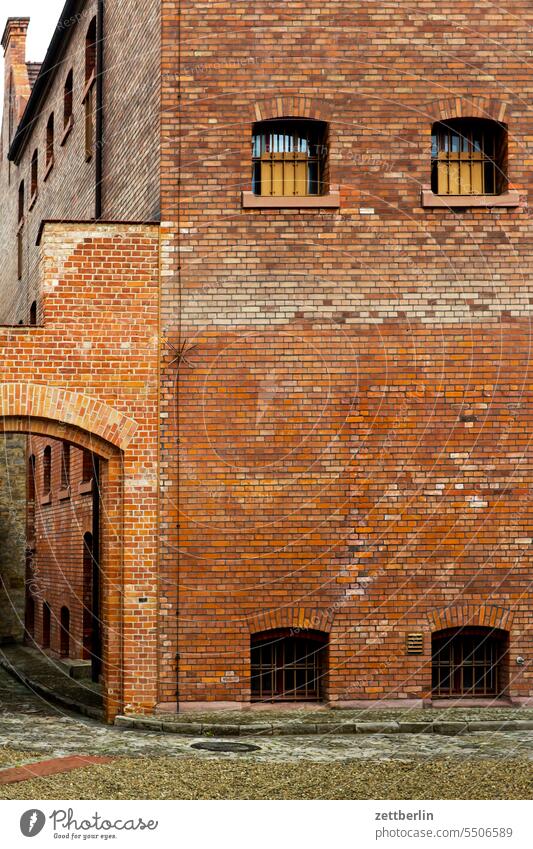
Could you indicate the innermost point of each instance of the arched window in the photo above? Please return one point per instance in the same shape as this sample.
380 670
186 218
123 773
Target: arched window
68 97
469 157
469 662
21 203
34 174
47 470
288 667
64 643
289 157
50 142
90 51
47 622
33 313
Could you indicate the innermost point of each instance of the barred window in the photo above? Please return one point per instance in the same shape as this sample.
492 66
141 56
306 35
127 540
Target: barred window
288 667
469 662
289 157
469 157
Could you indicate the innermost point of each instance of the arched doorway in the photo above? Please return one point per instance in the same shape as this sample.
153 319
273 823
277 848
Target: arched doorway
46 622
469 662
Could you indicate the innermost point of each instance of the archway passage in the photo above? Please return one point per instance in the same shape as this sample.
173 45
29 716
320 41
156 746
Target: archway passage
71 603
288 667
469 662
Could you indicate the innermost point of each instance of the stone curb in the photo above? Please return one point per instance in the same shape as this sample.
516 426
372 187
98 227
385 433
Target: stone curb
50 695
197 729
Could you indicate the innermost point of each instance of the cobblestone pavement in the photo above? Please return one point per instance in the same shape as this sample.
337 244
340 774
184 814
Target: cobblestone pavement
29 724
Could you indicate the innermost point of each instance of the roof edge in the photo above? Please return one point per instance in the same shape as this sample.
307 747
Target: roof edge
60 39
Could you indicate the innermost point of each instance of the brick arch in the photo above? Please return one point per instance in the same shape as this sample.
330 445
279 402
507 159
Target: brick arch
471 106
291 106
297 618
483 615
60 414
61 408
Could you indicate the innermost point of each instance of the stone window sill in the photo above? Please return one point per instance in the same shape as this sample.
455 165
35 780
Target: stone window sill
85 487
63 494
46 499
507 199
67 130
329 201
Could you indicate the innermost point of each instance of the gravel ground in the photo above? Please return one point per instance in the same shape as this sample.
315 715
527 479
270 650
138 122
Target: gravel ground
16 757
165 778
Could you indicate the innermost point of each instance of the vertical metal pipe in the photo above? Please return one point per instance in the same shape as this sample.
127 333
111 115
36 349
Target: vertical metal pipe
99 165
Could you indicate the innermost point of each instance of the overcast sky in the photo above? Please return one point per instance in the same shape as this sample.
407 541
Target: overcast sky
44 16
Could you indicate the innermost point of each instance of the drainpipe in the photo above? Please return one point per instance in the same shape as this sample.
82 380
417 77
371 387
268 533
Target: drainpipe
99 165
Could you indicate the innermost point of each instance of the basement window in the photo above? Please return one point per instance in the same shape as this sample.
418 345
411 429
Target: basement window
288 667
469 662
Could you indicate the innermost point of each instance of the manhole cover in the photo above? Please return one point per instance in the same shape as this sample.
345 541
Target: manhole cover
214 746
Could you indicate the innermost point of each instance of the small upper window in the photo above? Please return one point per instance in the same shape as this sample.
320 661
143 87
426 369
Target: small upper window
50 141
289 158
34 174
90 51
21 202
469 157
68 93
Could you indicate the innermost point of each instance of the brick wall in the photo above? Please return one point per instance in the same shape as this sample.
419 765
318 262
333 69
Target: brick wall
355 415
89 376
12 536
130 186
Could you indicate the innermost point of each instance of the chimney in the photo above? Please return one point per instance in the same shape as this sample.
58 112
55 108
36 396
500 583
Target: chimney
16 83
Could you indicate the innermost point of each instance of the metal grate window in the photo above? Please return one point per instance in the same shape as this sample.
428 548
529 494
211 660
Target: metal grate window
468 662
289 158
468 158
288 668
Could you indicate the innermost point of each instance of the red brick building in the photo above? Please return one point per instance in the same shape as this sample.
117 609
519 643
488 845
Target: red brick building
343 480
